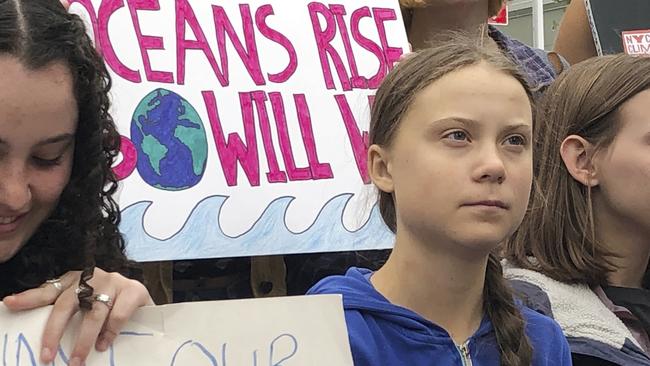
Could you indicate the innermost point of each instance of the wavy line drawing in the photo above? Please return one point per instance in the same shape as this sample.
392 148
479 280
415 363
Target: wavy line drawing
202 237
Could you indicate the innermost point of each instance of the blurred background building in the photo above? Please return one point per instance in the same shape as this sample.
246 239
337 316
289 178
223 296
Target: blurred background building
521 20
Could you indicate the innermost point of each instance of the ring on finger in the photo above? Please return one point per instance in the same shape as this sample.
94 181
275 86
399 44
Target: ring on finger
56 283
104 299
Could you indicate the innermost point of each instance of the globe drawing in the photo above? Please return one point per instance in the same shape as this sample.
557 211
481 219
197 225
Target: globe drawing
171 141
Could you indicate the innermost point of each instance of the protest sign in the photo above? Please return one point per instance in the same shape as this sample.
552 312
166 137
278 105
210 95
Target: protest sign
244 124
308 330
501 18
620 26
637 42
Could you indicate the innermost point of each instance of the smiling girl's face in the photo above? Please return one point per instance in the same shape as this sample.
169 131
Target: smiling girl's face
38 120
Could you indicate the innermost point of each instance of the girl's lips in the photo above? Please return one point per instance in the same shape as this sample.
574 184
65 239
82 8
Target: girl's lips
9 224
7 219
489 203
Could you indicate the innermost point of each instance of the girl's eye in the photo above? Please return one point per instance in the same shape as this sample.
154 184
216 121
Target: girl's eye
457 136
516 140
46 163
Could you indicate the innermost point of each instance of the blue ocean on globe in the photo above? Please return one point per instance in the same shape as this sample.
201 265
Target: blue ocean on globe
171 141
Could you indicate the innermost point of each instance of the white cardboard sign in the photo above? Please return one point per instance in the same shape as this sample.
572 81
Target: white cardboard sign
287 331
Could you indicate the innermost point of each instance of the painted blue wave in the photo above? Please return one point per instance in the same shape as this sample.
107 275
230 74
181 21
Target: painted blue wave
201 235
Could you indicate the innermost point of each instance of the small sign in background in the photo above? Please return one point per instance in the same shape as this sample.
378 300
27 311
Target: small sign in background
501 18
636 43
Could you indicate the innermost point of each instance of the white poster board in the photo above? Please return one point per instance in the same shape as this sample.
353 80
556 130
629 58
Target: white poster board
245 123
287 331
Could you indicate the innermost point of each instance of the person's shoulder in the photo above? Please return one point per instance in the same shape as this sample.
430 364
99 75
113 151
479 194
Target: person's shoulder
530 287
537 323
351 281
550 346
359 301
328 285
532 296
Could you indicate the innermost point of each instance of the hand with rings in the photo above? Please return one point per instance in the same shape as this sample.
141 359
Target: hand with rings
115 299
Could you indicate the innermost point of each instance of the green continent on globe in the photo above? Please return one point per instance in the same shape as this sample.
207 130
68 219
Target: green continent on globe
155 151
170 139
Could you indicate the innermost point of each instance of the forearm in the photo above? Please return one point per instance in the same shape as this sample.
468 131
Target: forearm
574 40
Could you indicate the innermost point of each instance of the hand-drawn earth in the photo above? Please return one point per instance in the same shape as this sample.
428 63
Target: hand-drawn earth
171 141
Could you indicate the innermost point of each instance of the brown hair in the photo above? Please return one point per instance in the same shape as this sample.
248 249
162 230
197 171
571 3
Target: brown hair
392 101
558 230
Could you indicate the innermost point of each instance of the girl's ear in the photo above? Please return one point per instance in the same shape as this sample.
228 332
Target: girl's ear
379 168
577 154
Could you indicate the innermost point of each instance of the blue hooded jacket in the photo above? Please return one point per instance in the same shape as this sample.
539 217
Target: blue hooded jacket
385 334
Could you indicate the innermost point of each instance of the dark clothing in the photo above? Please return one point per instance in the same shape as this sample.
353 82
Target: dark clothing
636 300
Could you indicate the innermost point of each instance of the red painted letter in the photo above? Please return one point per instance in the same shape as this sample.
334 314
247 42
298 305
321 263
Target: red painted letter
185 14
248 55
323 39
106 9
234 149
260 19
148 42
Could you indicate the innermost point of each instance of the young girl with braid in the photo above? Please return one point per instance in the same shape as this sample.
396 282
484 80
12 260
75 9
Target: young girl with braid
451 155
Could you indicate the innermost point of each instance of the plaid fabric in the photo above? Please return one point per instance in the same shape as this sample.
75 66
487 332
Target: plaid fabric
533 62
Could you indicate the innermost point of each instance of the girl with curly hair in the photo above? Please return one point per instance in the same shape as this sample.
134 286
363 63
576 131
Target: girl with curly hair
58 219
451 155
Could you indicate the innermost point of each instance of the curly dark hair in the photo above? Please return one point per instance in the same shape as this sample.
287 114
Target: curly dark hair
82 231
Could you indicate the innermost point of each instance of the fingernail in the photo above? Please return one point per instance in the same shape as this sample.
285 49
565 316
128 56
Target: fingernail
102 344
46 355
76 362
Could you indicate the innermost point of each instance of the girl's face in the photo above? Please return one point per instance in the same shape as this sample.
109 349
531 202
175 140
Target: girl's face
38 119
623 169
460 163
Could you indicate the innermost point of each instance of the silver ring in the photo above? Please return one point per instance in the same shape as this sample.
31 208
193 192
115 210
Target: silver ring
56 283
104 299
